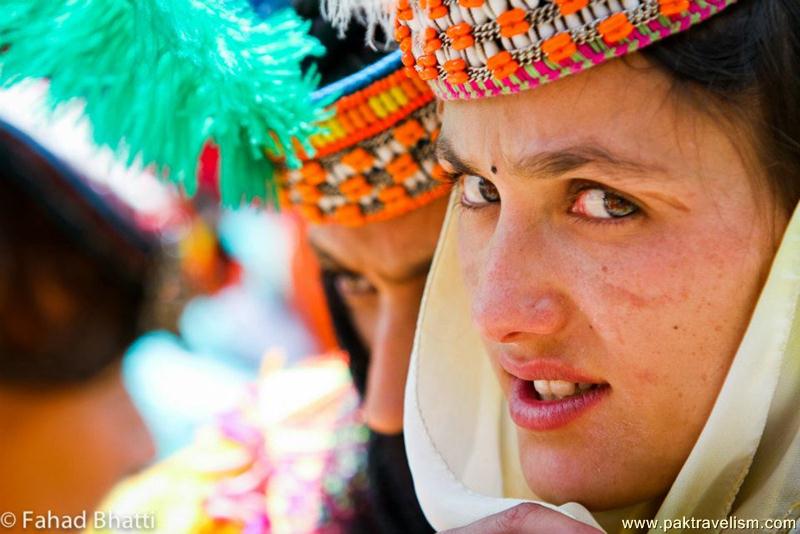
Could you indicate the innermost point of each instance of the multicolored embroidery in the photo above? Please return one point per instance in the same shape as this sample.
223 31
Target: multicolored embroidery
375 160
290 458
470 49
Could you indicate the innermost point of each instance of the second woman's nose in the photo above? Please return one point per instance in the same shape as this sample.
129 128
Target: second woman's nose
389 356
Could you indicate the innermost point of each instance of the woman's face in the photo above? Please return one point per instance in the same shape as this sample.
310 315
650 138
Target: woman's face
613 243
380 271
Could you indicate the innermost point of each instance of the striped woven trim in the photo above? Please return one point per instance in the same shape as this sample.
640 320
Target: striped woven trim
469 49
370 111
376 161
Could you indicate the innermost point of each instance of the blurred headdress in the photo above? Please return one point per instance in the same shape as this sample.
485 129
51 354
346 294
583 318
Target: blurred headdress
161 78
374 158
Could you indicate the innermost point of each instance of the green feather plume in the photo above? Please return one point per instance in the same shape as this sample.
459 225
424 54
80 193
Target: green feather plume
160 78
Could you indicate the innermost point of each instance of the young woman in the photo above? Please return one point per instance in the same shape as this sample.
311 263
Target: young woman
369 187
373 212
374 223
610 325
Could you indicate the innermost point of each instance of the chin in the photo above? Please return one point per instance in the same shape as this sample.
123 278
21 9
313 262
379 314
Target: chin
569 476
594 498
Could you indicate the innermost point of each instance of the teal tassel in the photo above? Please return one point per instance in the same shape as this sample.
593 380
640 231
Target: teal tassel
160 78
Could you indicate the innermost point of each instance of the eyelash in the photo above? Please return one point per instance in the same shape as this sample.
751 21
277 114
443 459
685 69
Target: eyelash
584 185
448 177
455 178
339 277
469 207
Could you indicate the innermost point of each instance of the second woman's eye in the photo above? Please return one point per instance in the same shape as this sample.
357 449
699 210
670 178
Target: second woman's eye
599 203
478 191
351 284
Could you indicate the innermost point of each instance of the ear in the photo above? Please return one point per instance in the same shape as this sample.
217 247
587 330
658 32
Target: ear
439 108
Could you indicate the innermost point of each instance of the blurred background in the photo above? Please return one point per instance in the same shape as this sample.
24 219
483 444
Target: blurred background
235 287
160 354
130 316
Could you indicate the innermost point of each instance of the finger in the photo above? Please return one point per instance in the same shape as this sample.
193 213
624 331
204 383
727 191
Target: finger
526 518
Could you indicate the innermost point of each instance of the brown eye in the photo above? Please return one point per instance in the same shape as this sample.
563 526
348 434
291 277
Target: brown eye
478 191
597 203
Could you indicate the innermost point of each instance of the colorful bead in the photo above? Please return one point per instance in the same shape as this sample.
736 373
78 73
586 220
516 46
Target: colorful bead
428 60
359 160
432 41
355 188
502 65
409 133
669 8
313 173
428 73
559 47
401 32
461 36
513 22
569 7
439 12
392 194
402 167
348 214
615 28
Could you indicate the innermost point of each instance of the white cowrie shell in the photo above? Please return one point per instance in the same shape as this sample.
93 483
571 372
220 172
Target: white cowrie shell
545 30
497 7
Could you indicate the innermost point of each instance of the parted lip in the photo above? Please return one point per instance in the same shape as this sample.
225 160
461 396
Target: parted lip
531 413
545 369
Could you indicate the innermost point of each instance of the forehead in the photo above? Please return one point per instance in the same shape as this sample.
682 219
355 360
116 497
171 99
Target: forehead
387 247
627 103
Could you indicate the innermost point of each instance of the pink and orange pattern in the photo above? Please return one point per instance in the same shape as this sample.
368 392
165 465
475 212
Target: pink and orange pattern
468 49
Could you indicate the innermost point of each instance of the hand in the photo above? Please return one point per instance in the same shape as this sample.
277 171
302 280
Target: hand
526 518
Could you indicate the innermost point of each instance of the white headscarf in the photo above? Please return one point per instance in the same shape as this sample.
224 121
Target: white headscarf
461 442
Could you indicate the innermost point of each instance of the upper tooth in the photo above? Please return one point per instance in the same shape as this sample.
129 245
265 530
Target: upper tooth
561 388
558 389
542 388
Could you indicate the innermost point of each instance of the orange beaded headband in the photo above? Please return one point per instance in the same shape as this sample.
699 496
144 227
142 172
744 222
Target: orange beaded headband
471 49
375 158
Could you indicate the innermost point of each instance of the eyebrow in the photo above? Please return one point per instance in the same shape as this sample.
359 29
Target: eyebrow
548 164
326 260
330 263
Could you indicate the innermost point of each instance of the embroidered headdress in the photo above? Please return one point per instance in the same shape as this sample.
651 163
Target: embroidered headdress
374 159
470 49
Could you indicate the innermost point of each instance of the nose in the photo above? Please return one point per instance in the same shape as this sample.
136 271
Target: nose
517 293
389 357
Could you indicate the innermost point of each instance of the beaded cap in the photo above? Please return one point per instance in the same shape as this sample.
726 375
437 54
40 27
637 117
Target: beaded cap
470 49
375 158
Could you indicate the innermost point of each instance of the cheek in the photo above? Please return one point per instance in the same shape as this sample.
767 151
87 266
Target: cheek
673 307
364 313
467 259
474 236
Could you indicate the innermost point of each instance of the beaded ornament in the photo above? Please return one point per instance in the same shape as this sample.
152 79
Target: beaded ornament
470 49
375 160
